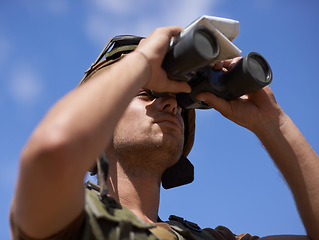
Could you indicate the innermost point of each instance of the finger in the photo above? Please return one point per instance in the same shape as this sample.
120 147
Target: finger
178 86
174 30
212 100
218 66
226 64
222 65
230 64
169 32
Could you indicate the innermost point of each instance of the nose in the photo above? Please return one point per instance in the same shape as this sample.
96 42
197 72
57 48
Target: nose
168 103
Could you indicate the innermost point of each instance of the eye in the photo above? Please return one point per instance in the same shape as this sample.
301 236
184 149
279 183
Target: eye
146 94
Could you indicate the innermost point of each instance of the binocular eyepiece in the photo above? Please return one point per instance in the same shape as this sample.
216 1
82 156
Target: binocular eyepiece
190 58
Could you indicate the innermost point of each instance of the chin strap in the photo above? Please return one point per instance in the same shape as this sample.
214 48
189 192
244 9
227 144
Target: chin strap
102 172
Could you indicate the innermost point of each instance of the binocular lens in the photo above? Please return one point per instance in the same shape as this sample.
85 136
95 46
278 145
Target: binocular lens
205 45
259 69
195 50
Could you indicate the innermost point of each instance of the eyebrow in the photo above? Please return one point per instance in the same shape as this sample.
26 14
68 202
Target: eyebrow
151 93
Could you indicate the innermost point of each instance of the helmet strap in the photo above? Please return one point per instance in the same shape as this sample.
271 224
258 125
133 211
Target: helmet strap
102 172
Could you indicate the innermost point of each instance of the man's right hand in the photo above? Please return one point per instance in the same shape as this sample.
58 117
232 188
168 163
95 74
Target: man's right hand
154 48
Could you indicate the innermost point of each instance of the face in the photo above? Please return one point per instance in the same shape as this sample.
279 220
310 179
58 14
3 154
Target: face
151 128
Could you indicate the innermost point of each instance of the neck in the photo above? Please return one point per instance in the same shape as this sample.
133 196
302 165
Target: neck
138 192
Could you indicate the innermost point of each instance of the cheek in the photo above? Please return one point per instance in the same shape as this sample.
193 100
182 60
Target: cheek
133 122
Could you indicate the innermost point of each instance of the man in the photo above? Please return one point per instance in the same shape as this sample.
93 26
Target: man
142 136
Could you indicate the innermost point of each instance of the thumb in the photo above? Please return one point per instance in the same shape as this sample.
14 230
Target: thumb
215 102
209 98
179 86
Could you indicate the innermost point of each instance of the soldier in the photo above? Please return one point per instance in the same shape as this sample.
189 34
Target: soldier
146 140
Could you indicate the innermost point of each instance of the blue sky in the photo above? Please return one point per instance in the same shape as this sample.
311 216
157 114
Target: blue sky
45 47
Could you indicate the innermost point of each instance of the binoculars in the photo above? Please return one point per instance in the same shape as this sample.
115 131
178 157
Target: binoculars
190 57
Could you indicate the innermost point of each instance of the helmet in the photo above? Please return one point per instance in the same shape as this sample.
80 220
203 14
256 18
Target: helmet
183 171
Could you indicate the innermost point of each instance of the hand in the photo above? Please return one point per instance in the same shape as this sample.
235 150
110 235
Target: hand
226 65
154 48
254 111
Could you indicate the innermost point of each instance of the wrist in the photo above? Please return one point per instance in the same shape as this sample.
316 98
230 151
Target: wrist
273 127
147 63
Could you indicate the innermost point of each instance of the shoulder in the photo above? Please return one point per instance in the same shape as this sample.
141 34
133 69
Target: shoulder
186 227
107 219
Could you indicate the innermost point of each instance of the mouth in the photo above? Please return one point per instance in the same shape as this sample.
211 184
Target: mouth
172 121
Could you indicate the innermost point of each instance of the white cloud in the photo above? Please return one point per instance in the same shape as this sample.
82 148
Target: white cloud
119 6
106 18
26 84
183 12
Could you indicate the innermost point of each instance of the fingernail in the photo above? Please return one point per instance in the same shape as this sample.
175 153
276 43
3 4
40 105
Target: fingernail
232 64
